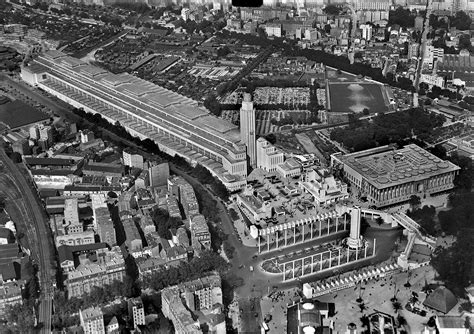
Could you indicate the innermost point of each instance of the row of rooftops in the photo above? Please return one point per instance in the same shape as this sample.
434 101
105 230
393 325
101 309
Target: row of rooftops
158 101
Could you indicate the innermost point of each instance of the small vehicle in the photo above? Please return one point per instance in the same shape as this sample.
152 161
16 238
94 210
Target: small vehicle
251 268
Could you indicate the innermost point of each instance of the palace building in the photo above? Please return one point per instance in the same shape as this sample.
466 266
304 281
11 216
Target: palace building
388 176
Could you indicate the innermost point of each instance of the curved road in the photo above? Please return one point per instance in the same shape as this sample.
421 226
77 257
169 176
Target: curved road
36 213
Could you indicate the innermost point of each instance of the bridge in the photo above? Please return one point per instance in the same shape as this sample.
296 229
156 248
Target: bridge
415 235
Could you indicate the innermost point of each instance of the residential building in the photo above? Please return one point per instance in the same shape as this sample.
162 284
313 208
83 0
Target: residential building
146 222
86 136
136 311
75 239
177 124
200 299
185 194
158 174
387 176
200 235
133 239
102 169
185 13
413 50
173 207
67 254
22 146
173 255
132 160
105 227
99 208
46 134
432 79
125 201
10 295
366 31
432 54
268 156
273 29
71 217
34 132
464 146
6 236
108 268
112 326
92 320
247 128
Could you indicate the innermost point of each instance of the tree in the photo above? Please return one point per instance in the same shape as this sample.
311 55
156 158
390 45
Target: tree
414 201
425 217
271 138
465 42
366 111
402 17
401 320
379 221
20 318
332 10
461 21
2 202
397 306
213 105
16 157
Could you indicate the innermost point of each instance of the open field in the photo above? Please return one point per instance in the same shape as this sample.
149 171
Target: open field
355 97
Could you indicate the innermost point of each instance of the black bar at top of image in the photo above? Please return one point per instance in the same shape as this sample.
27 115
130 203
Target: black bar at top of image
247 3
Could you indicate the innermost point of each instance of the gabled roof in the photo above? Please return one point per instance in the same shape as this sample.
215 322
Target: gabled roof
441 299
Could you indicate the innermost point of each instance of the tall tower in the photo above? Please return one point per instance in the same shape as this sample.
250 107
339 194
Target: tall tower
354 240
247 128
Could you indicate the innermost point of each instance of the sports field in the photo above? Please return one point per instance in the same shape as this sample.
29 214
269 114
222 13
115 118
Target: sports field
356 96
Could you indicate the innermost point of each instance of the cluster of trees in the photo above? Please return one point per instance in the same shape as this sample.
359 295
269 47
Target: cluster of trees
461 21
425 217
66 309
164 223
436 92
117 129
196 268
401 16
388 128
19 318
203 176
213 105
205 26
454 264
332 10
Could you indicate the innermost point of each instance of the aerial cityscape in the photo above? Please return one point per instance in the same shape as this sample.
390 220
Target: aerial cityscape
198 166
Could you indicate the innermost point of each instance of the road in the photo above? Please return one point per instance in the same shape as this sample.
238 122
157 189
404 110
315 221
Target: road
37 215
424 40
